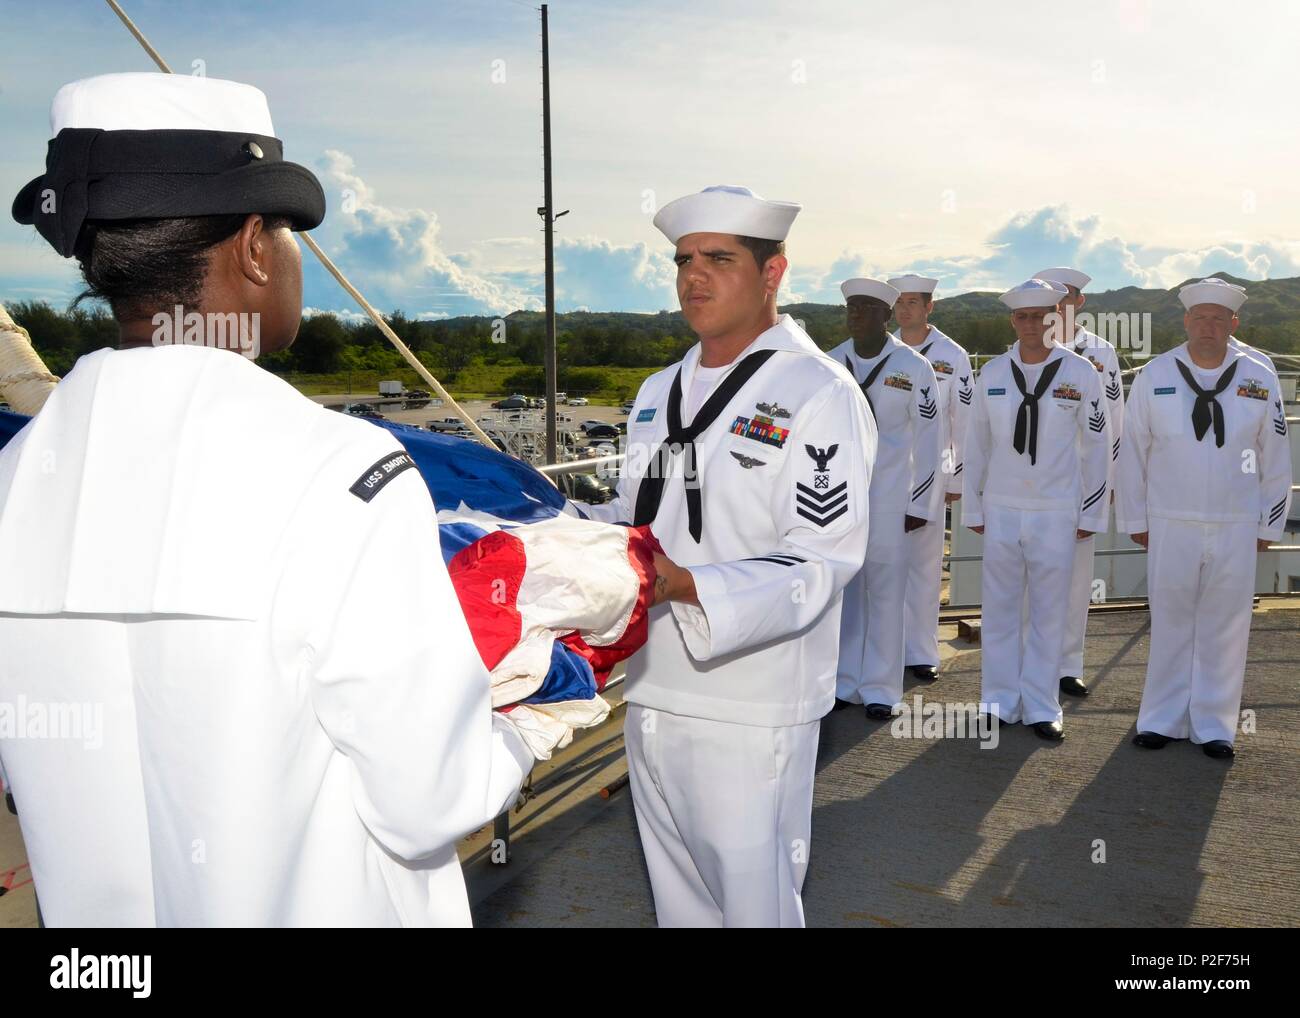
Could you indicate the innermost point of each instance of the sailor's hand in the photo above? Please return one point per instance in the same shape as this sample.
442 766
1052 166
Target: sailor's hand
911 523
951 497
1083 535
672 582
1262 543
978 530
1141 538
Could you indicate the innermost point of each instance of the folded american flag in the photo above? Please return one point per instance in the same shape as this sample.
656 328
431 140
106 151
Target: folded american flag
553 602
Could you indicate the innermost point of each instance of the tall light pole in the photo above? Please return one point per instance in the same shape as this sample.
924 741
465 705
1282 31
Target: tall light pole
548 217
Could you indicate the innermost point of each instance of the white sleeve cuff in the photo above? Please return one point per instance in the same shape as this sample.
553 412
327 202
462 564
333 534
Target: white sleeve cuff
704 627
1094 524
511 763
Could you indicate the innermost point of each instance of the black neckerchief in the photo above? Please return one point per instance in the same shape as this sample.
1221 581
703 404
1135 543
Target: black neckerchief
871 377
1027 414
650 493
1206 407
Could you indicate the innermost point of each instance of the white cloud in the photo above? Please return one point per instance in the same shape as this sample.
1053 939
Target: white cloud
1053 235
395 257
350 315
593 273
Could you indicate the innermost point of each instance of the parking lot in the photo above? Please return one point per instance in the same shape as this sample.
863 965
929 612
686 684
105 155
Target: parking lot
476 408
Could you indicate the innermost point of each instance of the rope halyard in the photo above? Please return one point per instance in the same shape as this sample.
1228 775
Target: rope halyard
25 382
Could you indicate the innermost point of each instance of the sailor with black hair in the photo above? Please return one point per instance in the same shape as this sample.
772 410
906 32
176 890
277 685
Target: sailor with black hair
750 460
293 733
898 384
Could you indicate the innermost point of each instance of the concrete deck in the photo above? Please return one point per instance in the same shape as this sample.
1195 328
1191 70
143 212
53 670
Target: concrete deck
939 832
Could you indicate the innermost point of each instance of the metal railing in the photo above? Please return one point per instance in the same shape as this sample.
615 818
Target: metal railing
580 466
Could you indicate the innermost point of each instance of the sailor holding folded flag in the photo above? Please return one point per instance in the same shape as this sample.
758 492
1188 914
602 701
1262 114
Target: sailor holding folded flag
294 733
751 459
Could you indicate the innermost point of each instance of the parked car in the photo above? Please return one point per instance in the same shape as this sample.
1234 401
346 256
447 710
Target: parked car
586 488
511 403
364 410
600 430
626 408
577 401
451 425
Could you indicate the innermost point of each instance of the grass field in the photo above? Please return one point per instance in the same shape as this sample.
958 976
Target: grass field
478 381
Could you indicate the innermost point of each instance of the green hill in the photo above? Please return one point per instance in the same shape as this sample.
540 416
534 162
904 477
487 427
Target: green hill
485 353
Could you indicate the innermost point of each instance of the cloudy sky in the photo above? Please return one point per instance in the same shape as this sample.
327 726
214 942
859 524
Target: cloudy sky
1144 142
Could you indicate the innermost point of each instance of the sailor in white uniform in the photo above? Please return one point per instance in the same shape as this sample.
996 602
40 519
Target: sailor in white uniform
1204 482
1037 455
900 387
751 459
1102 356
956 381
276 726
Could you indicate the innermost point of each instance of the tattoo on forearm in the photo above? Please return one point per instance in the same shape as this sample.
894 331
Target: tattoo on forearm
661 587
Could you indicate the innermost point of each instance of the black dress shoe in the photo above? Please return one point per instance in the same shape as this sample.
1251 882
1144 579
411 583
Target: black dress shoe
1053 731
925 673
1151 740
1072 685
879 711
841 704
1218 749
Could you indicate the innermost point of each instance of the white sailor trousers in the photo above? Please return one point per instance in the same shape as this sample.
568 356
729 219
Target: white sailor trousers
725 816
870 667
1027 553
1201 583
1076 618
924 586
